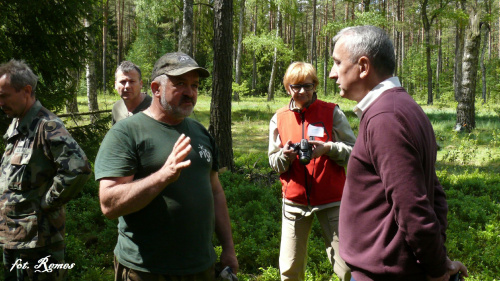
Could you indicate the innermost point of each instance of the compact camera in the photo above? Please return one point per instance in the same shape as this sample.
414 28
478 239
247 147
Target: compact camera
304 149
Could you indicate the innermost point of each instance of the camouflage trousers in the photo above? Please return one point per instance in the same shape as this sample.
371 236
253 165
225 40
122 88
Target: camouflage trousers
123 273
34 264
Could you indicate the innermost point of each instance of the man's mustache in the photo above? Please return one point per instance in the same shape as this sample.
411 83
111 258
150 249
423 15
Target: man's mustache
187 99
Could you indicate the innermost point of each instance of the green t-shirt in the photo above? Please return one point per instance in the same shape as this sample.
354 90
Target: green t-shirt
172 234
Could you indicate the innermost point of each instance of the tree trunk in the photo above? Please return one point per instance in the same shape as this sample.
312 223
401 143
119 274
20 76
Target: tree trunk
72 102
325 67
465 108
186 36
483 67
294 25
270 90
313 33
254 59
427 29
104 43
241 29
397 38
459 51
91 78
120 9
326 53
429 67
220 106
366 5
439 61
346 14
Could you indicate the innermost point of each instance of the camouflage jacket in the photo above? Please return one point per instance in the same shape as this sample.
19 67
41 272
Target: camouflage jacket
42 168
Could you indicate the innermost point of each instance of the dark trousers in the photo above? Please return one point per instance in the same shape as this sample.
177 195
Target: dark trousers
35 264
123 273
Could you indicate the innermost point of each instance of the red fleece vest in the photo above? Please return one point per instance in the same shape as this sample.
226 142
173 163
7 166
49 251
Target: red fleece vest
322 180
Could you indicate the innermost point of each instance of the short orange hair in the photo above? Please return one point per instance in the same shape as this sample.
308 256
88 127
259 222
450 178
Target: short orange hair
298 72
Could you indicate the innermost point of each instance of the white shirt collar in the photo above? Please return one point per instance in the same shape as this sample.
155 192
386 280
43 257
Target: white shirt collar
385 85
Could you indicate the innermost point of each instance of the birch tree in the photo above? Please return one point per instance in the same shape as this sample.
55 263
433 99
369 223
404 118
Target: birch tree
91 78
466 107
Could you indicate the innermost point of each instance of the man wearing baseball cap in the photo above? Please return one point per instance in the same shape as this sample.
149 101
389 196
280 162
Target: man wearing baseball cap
158 175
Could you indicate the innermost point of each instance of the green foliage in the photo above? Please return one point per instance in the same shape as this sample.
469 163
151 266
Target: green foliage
474 221
264 45
50 43
269 274
90 237
153 36
375 18
461 152
254 210
242 89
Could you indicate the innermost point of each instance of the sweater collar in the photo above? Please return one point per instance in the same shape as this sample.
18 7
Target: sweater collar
385 85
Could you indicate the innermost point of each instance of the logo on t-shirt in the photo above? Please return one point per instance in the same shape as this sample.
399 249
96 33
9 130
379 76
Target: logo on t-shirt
204 153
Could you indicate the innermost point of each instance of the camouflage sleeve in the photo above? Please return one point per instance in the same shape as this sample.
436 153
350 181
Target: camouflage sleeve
70 162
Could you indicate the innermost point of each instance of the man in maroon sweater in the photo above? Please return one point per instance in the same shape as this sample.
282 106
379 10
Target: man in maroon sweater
393 214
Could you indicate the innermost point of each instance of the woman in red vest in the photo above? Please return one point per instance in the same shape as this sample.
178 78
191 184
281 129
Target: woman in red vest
310 142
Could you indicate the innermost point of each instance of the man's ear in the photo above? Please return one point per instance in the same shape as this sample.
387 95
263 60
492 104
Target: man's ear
364 67
155 88
27 90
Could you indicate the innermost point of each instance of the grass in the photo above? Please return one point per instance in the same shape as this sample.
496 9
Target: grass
468 167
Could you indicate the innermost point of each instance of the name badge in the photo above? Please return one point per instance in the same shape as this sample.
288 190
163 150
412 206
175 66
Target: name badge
315 131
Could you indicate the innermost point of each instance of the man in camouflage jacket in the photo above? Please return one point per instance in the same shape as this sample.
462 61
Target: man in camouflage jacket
41 169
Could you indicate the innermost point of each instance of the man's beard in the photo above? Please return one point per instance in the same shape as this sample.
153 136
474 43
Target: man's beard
177 110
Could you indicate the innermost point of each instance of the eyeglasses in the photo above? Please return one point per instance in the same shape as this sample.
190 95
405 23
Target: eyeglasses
307 87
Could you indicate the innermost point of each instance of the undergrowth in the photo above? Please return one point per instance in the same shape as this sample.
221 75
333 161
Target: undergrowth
468 168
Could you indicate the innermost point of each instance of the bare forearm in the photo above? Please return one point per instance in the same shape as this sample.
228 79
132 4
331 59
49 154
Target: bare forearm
126 198
223 231
222 221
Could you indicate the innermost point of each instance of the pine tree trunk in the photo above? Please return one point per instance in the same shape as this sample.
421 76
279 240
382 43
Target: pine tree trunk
366 5
270 89
220 107
254 59
326 53
313 33
466 108
104 42
236 95
120 9
72 102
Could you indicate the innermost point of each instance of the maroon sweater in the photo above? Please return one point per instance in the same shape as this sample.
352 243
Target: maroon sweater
393 212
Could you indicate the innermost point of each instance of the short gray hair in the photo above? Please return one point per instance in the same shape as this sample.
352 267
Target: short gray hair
20 75
127 66
162 79
372 42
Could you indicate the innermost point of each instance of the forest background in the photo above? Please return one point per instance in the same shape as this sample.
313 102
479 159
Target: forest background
447 58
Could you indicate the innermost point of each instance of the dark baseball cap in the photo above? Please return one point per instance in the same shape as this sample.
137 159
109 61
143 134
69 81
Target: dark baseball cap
176 64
